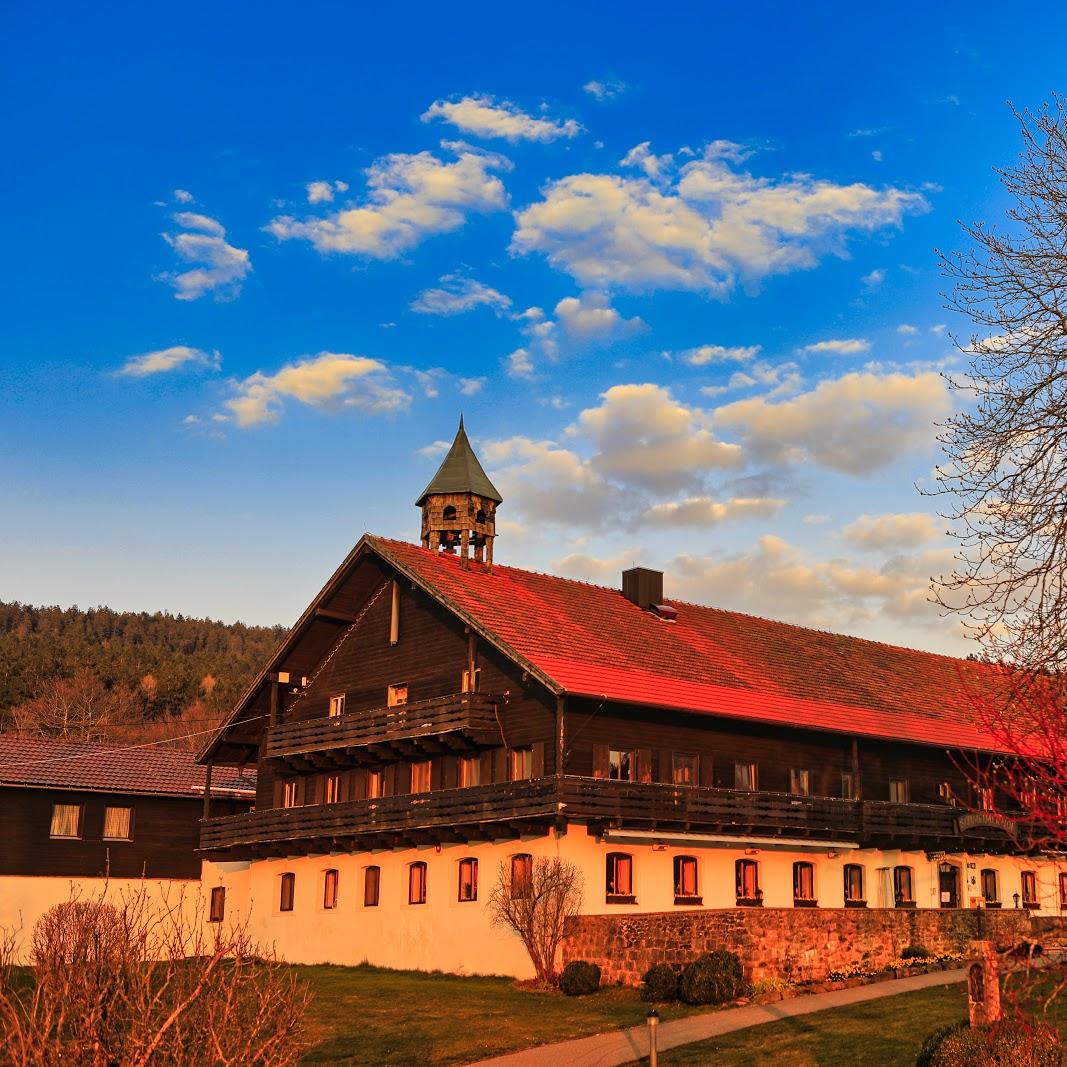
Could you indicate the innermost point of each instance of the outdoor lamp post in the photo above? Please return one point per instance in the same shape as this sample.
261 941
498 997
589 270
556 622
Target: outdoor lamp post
653 1024
1015 897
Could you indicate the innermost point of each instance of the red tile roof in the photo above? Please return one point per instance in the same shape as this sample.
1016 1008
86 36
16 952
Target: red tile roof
50 764
591 641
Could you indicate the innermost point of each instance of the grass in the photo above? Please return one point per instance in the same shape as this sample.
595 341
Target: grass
368 1015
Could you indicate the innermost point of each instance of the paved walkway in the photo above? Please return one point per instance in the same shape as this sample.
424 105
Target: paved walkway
625 1046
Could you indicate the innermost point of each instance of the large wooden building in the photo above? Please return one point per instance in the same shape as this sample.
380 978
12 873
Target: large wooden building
434 714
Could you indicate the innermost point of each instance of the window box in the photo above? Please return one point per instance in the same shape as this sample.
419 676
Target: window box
750 902
620 898
998 904
804 903
1031 905
855 903
905 904
688 900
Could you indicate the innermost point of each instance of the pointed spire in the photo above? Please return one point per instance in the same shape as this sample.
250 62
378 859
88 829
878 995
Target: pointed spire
460 472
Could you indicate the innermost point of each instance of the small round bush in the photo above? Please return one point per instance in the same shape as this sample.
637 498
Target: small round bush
715 978
661 983
915 952
579 978
1020 1043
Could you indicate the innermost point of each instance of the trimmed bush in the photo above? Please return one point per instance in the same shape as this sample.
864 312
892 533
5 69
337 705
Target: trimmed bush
715 978
579 978
915 952
1014 1042
661 983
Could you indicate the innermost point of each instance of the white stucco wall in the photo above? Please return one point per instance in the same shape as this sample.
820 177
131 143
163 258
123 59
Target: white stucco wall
455 936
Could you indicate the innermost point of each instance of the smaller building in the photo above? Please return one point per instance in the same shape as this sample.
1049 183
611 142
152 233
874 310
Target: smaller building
95 820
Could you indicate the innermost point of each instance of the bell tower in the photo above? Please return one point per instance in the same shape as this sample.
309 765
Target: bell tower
459 506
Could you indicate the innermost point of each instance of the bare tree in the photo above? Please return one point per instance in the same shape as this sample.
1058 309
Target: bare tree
535 899
80 708
1006 453
127 985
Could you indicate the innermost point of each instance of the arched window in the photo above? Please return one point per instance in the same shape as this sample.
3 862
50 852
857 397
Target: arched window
468 879
903 887
521 875
417 883
990 888
372 881
480 516
749 893
686 887
854 887
804 885
1029 881
288 891
449 514
619 878
329 889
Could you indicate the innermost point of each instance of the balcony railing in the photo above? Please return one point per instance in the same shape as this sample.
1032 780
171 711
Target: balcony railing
468 719
512 808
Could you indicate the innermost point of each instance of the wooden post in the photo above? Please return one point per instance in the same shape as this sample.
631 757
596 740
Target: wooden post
274 700
561 707
856 776
207 790
394 614
464 547
472 660
983 984
489 555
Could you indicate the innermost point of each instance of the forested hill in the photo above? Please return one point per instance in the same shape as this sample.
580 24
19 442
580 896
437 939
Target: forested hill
169 661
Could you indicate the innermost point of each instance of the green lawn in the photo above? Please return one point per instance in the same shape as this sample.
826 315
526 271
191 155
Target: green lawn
366 1015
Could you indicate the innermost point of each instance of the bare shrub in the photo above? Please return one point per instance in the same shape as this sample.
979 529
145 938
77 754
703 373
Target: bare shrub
535 901
131 986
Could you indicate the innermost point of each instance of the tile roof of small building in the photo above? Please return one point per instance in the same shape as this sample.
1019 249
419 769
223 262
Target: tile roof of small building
461 472
591 641
46 763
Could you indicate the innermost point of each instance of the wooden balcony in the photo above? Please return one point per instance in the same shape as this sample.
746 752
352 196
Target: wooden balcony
458 722
487 812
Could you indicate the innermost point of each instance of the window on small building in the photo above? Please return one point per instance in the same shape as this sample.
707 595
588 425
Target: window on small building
337 705
420 777
468 687
619 871
288 891
331 789
118 823
397 695
800 782
372 881
848 786
329 889
217 906
854 888
417 883
375 780
745 776
1063 890
946 793
684 768
66 820
990 887
984 796
289 793
520 763
898 790
686 888
449 514
470 771
521 875
1029 886
903 887
468 879
803 883
748 889
622 764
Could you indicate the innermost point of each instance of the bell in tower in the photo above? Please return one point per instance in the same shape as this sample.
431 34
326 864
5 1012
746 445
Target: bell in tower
459 506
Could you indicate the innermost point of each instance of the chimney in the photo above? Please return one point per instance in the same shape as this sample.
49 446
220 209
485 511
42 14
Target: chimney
643 586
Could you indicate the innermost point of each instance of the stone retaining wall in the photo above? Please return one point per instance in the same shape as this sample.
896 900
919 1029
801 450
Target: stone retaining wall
792 943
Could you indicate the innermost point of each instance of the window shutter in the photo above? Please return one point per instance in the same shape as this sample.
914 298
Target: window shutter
359 785
706 770
644 765
278 787
600 761
301 790
437 773
486 768
389 782
500 764
665 769
538 760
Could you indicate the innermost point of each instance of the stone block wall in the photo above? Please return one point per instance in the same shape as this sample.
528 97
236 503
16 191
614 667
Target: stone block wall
797 944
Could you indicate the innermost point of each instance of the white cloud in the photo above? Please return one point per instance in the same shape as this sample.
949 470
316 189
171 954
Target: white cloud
712 226
590 316
892 531
217 266
183 196
410 197
606 89
434 450
519 364
329 381
874 280
855 424
777 378
457 294
471 386
483 116
705 354
876 155
905 330
842 346
168 359
323 192
705 511
656 168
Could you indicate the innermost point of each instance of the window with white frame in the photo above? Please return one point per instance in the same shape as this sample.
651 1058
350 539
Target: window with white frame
990 887
469 685
803 882
468 879
622 764
619 880
372 881
330 883
686 886
903 886
854 887
417 883
287 894
337 705
747 879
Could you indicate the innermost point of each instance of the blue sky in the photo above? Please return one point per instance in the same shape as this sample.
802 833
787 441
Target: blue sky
676 269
